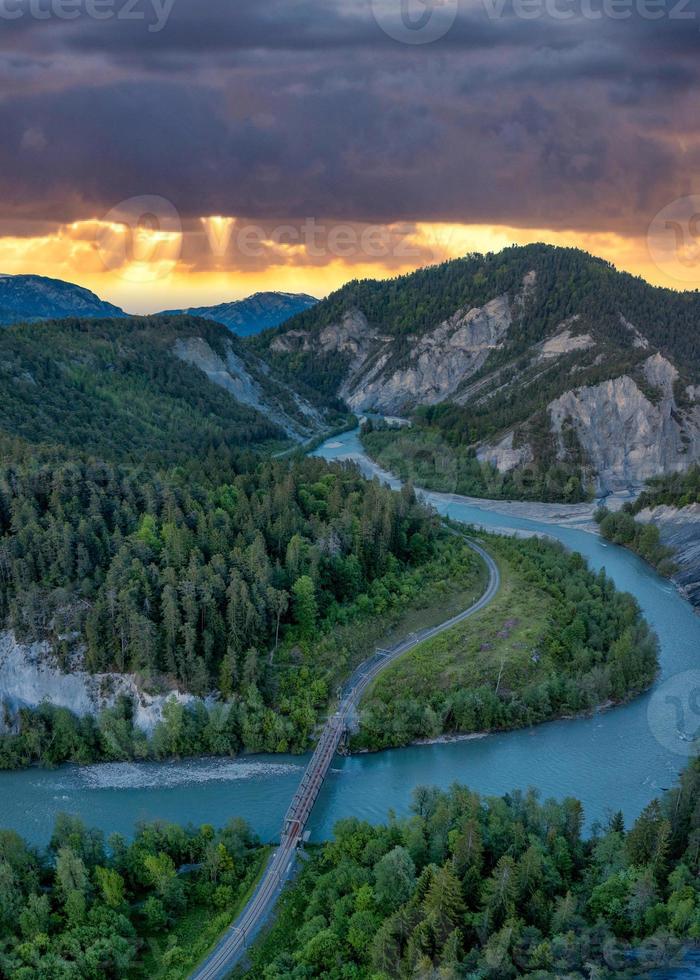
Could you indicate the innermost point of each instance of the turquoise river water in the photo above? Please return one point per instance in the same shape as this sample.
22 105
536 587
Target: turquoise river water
616 759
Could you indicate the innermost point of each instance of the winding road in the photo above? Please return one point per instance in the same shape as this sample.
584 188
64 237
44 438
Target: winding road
237 937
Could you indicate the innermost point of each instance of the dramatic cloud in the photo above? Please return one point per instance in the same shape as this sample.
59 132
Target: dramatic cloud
272 111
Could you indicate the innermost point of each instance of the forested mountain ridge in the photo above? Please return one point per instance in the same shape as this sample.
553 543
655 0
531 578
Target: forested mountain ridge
27 298
146 534
150 390
538 359
261 311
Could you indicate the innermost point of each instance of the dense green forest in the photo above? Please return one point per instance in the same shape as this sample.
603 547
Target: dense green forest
425 456
183 580
493 889
114 389
279 710
197 586
557 640
621 528
138 909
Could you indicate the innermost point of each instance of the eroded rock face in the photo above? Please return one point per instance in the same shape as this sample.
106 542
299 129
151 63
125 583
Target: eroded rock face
229 374
639 340
627 438
565 343
232 375
437 365
30 675
680 530
503 456
629 428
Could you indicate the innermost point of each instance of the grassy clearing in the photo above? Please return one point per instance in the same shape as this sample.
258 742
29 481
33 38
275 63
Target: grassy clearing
556 640
495 647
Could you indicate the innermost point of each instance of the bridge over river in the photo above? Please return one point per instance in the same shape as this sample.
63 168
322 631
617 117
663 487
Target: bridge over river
235 940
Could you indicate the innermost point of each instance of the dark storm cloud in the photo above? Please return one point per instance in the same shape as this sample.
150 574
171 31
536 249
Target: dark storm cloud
285 109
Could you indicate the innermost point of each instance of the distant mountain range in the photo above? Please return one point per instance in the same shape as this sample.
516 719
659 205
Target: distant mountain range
259 312
30 298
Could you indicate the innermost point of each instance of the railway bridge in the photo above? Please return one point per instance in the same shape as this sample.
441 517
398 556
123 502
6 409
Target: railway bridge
236 939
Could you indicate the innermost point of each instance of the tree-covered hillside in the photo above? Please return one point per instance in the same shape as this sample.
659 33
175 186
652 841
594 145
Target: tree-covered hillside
670 490
479 352
141 531
187 580
569 282
115 389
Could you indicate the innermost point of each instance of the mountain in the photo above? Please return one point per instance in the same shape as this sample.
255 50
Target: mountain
148 536
259 312
156 391
29 298
551 372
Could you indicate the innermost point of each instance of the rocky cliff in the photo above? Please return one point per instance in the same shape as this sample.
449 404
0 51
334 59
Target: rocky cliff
271 398
629 428
680 530
537 357
30 675
379 379
629 436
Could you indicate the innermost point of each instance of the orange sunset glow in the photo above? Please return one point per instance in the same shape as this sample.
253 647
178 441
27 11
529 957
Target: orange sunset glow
146 269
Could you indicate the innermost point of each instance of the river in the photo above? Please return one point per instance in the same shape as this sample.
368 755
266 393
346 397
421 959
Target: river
615 760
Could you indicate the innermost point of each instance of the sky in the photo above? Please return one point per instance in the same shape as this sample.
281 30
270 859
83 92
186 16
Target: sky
170 153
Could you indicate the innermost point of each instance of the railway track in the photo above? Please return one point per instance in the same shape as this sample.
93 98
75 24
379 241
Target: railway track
236 939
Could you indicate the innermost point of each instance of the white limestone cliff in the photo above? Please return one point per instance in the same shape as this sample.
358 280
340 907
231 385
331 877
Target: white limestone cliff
30 675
